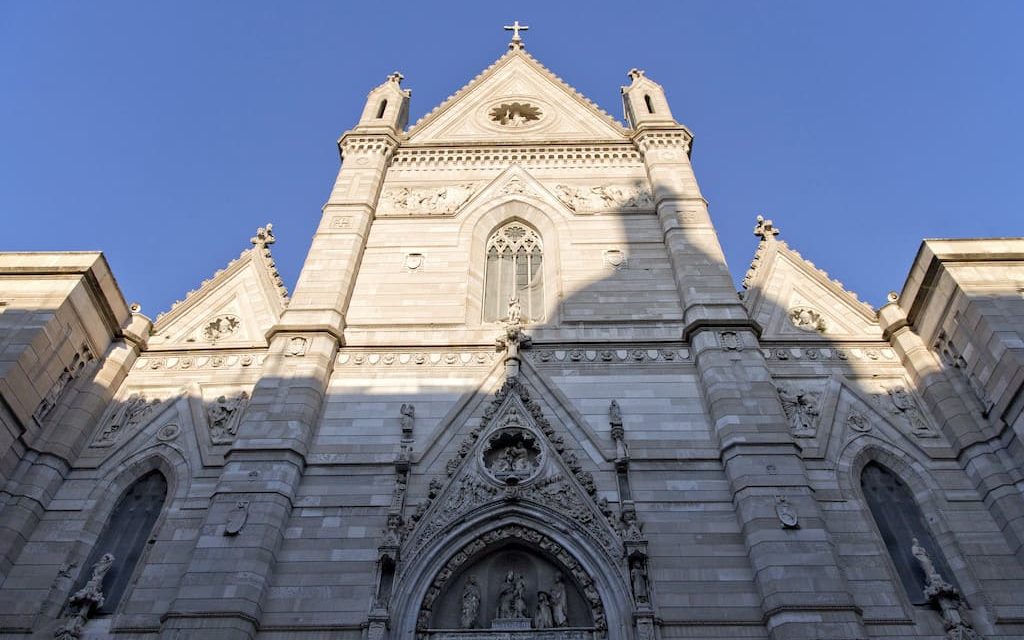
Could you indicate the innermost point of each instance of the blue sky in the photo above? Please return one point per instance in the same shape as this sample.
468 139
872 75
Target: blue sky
165 133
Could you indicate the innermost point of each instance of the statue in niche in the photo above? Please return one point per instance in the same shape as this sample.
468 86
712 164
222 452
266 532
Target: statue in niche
559 611
638 578
801 409
903 405
544 618
512 599
470 604
945 597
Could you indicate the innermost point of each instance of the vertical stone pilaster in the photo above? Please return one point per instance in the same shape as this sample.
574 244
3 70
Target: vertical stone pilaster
803 591
227 580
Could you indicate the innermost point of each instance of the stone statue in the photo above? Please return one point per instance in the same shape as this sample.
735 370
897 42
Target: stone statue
132 412
519 601
408 412
923 559
559 612
84 601
470 603
507 597
544 619
638 578
519 458
515 311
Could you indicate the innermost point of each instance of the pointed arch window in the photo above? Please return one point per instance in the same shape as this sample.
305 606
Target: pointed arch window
125 536
515 261
900 521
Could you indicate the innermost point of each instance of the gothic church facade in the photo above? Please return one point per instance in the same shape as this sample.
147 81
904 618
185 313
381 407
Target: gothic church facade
514 394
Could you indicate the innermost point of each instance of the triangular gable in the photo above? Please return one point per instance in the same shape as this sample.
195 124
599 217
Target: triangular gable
513 455
234 308
516 98
791 299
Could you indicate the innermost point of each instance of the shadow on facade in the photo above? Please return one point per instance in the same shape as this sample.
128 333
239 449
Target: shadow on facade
283 529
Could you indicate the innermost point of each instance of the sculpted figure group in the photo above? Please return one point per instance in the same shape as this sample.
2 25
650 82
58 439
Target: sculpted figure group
550 611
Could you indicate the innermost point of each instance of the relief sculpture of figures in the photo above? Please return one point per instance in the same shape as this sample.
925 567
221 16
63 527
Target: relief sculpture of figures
801 409
223 417
470 604
132 412
437 200
903 405
604 197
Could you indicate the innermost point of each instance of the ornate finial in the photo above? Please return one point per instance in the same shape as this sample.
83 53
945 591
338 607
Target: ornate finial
264 236
635 74
396 77
765 229
515 28
135 307
893 296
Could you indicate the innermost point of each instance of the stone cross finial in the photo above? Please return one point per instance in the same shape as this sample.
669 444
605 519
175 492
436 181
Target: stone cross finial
396 77
515 28
264 236
765 229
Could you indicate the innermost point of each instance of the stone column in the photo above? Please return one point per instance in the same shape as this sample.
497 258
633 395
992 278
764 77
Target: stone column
804 593
976 442
225 585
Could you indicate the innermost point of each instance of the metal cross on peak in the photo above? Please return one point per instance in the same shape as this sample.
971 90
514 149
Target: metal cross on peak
515 28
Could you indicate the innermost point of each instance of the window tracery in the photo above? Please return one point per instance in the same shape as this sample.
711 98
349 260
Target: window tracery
902 525
125 536
515 257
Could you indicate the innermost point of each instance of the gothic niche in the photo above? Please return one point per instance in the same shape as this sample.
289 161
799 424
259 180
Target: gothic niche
508 589
515 114
511 456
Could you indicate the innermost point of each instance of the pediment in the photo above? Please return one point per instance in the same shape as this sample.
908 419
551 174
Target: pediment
793 300
516 99
235 308
513 457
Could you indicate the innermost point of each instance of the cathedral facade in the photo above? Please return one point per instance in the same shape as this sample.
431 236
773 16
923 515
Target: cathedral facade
514 394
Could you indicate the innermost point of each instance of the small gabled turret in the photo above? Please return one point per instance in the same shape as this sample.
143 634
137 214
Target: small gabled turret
644 101
387 106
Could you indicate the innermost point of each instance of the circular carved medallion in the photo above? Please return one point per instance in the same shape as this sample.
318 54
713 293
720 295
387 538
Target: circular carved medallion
511 456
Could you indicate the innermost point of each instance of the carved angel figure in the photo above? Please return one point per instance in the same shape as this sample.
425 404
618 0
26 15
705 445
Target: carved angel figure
134 409
801 408
223 417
